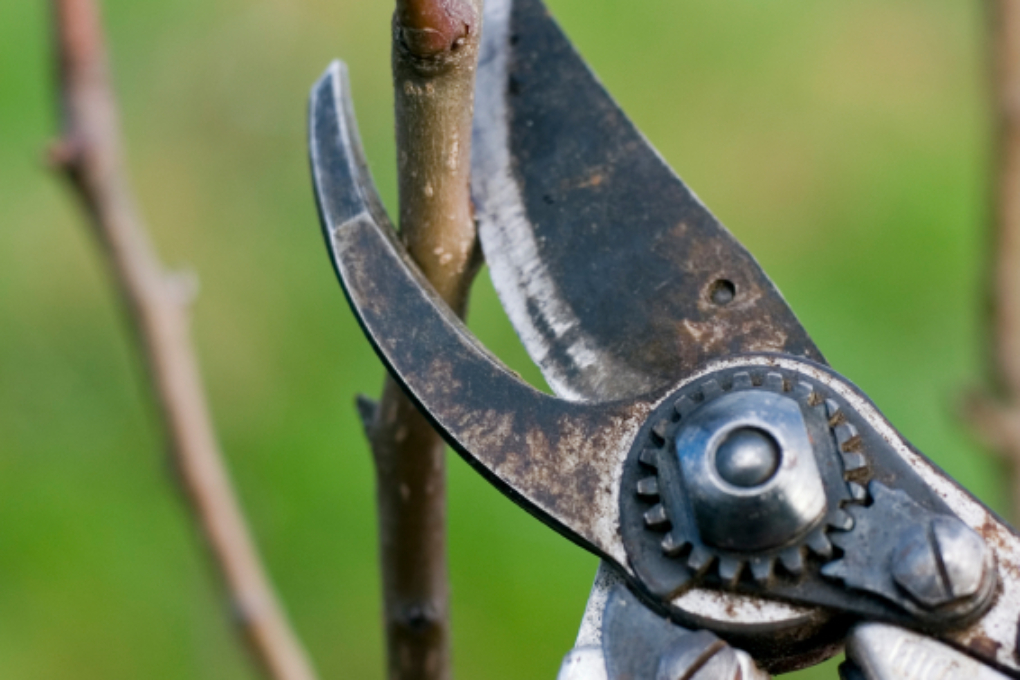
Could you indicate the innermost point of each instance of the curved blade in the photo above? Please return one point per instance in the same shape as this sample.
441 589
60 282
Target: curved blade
616 277
559 460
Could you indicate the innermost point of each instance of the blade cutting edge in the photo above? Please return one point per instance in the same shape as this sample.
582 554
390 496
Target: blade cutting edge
617 278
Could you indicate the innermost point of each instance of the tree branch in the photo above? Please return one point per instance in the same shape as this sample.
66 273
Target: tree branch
435 52
1006 304
995 415
89 155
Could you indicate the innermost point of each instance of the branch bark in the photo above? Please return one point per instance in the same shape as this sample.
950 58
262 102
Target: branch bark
435 53
995 412
89 155
1006 322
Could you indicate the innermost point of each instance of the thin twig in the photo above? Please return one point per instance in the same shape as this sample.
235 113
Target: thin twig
89 155
435 52
1006 322
995 413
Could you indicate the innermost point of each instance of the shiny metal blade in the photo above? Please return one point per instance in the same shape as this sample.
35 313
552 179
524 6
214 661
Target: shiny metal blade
617 278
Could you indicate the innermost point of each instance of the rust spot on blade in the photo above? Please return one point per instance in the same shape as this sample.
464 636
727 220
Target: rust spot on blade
984 647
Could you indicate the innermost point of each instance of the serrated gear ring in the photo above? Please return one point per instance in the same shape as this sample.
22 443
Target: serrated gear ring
710 525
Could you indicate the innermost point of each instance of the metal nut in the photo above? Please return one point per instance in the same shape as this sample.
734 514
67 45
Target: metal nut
749 470
940 563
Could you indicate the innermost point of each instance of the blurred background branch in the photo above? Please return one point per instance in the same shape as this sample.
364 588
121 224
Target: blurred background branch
994 413
435 52
89 155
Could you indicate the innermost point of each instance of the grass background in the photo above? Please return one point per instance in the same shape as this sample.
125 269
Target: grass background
845 143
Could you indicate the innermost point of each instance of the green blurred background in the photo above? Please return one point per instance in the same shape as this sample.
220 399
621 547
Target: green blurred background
845 142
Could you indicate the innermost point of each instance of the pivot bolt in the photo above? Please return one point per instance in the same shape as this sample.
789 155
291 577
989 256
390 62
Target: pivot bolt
940 563
748 457
749 469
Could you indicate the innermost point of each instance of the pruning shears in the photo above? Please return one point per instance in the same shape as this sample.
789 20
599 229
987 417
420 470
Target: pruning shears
754 511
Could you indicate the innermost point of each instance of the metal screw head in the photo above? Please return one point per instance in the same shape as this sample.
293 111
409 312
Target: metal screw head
964 555
703 656
748 457
940 563
692 653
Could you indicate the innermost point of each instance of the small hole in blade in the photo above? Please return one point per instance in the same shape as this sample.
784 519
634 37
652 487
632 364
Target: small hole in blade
722 292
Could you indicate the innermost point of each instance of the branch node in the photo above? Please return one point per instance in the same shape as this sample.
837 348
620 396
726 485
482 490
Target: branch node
64 154
368 409
182 286
431 31
995 423
248 610
419 619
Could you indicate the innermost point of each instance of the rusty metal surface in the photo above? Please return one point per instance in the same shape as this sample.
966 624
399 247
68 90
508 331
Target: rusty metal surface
578 361
617 278
638 644
993 637
803 568
560 460
786 637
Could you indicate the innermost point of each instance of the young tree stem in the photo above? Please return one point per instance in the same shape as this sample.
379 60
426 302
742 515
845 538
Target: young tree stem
435 52
89 155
